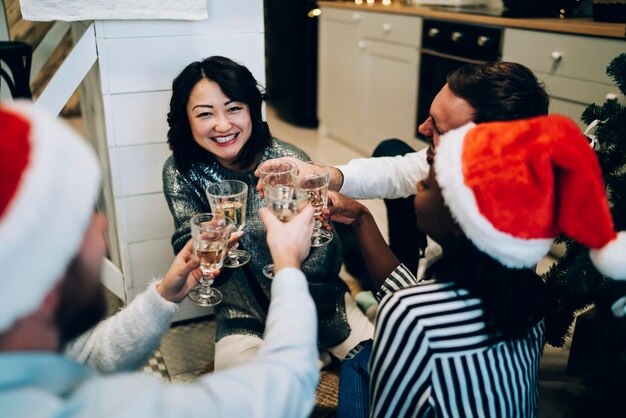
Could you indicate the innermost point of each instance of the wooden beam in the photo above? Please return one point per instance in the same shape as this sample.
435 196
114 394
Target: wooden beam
71 73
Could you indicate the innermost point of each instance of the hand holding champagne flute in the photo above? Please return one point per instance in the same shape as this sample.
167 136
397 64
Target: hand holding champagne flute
229 198
276 172
285 201
313 178
210 234
289 242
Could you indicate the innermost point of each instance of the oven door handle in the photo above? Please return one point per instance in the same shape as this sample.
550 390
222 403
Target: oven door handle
427 51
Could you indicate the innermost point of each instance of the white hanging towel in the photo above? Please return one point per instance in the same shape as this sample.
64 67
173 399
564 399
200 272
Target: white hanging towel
71 10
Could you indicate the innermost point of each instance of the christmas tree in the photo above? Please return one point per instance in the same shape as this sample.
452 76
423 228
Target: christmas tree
573 281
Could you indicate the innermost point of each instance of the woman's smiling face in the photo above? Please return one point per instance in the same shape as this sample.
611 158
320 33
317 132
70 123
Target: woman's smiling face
218 124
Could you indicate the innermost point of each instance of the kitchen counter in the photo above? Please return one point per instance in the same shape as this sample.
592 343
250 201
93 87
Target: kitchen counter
578 25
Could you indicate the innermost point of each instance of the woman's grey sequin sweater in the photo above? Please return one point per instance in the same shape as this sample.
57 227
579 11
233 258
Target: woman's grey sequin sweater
246 290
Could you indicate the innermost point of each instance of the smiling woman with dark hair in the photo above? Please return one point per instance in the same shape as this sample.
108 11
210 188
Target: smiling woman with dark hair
216 132
236 83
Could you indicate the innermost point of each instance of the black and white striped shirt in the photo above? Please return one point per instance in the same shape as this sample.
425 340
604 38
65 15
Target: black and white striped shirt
433 356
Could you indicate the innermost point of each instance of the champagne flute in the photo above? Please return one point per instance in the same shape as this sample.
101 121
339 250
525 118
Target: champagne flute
210 234
312 178
285 201
229 198
276 172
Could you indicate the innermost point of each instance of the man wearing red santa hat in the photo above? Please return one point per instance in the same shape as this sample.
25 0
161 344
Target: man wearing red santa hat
52 244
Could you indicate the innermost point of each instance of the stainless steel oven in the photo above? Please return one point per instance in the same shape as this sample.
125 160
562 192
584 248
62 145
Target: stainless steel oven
447 46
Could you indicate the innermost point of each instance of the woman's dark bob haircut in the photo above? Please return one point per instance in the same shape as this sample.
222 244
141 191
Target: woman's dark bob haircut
238 84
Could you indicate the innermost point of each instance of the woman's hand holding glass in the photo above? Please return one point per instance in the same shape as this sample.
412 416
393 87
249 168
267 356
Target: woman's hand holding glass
312 178
343 209
182 276
210 235
229 198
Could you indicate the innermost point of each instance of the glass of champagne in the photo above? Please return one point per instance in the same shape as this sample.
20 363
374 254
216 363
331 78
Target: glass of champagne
228 198
285 201
312 178
210 234
276 172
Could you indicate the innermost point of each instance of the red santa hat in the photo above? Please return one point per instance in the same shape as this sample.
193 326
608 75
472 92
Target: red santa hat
49 183
514 186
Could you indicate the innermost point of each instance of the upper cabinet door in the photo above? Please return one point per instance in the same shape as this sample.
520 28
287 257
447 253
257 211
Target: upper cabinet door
340 73
389 93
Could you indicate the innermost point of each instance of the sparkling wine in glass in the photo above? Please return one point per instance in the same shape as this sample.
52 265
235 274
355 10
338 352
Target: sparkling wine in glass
228 198
210 234
277 172
312 178
285 201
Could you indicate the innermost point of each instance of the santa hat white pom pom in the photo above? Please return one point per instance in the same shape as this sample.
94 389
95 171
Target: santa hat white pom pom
610 260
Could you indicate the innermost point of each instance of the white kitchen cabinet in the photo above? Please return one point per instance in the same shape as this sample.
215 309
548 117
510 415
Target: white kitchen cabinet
389 91
368 73
573 67
340 73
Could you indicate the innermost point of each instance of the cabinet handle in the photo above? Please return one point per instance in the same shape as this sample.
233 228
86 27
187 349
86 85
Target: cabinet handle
362 45
556 55
483 40
611 96
356 16
386 27
432 32
456 36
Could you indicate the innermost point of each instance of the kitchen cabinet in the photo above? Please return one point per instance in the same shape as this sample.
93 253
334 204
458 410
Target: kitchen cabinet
368 74
339 73
573 67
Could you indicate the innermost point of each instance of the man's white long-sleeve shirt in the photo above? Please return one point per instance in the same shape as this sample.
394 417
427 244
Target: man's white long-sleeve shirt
389 178
384 177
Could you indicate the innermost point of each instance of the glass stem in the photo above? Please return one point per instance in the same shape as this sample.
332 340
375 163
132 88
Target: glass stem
205 285
316 228
232 254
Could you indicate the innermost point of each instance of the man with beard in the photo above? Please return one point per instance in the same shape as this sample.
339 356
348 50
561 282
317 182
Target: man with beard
52 244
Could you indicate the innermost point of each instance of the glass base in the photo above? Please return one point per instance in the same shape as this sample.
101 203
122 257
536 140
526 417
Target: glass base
268 271
239 259
210 297
321 237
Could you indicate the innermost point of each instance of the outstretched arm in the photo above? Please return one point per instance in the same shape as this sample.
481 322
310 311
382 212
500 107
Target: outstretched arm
280 380
379 258
126 340
383 177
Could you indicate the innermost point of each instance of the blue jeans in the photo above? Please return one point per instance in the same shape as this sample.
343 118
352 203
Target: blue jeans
354 380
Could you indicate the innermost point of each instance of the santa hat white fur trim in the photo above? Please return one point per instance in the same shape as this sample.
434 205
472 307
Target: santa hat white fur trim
609 260
510 251
43 226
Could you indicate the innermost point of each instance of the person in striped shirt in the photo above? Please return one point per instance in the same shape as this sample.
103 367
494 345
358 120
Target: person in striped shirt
467 341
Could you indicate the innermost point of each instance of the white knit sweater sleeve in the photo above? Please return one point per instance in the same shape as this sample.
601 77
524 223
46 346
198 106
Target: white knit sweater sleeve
126 340
384 177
